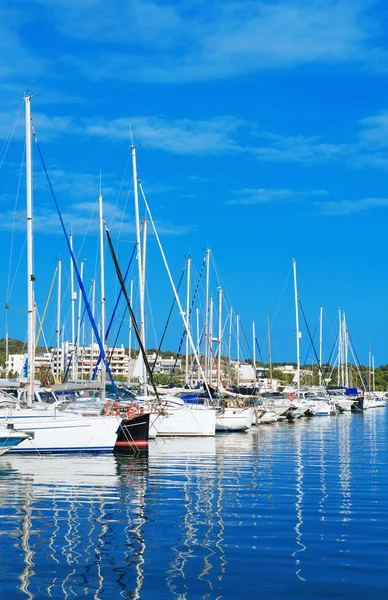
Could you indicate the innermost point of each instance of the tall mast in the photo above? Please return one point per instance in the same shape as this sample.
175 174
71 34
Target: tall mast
373 374
369 368
254 347
219 338
144 258
269 350
238 348
339 347
143 379
206 348
58 330
102 290
30 273
346 351
79 345
187 318
210 341
92 336
230 343
198 334
130 333
297 331
72 299
320 343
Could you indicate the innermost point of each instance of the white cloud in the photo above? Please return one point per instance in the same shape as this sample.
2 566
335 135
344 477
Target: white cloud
374 132
351 207
196 40
249 196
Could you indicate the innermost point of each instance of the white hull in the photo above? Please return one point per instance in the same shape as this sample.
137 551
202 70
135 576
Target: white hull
321 409
234 419
183 421
53 431
373 403
344 404
10 439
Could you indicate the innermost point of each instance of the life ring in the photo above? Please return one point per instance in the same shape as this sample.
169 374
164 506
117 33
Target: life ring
112 408
133 411
291 396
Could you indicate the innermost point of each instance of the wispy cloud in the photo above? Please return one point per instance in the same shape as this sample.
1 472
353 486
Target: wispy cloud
76 193
196 40
350 207
249 196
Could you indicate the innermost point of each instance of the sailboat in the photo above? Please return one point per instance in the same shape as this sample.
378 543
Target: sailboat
48 428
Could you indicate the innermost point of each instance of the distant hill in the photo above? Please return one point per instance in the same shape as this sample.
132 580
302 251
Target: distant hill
15 347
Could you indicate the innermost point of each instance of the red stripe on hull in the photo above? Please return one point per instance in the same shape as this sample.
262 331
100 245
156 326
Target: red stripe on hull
134 443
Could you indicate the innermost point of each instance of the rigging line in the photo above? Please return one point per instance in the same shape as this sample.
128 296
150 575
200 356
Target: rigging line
111 221
17 267
359 364
311 340
309 348
173 285
115 310
151 315
168 320
8 139
13 224
360 374
258 348
46 307
126 200
117 335
134 323
87 231
73 258
246 339
325 372
279 303
190 311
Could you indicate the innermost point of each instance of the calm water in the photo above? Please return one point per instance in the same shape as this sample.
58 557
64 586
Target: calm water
299 509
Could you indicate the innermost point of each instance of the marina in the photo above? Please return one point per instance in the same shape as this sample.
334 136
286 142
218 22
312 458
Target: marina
193 377
290 509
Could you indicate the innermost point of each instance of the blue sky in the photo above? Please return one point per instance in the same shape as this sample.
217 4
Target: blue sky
262 132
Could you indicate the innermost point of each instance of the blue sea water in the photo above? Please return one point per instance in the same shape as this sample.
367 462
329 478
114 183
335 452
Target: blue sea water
289 510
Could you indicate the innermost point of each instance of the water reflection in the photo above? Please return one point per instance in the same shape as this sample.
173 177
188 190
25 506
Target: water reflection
212 518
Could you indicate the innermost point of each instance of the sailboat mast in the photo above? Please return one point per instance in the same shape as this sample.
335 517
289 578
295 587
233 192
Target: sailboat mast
72 300
346 351
269 350
92 336
143 378
79 345
102 290
58 331
219 337
254 347
238 348
320 343
210 342
30 273
230 343
130 332
206 349
187 318
297 330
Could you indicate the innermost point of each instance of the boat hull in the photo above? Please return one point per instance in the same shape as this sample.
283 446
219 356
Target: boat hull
234 419
62 432
133 433
197 421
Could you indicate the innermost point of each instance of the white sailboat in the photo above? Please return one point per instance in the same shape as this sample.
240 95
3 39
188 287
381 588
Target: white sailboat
49 429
